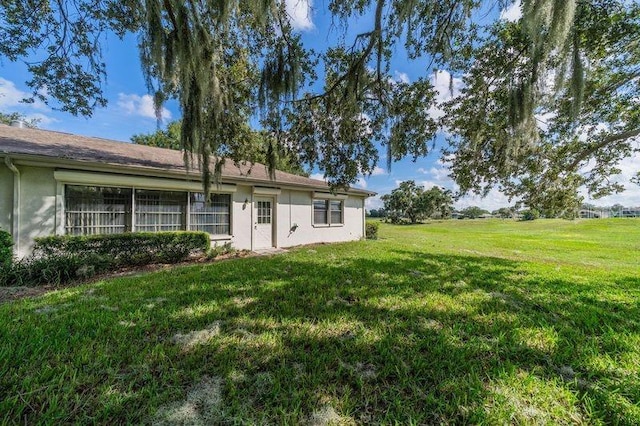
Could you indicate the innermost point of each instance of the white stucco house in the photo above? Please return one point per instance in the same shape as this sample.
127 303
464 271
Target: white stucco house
59 183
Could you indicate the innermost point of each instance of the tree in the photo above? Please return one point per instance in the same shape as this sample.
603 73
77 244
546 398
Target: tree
582 126
255 150
9 118
412 202
530 214
212 56
377 213
473 212
436 202
168 138
403 202
504 213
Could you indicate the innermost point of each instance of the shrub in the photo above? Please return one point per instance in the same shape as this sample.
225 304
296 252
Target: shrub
220 250
129 249
59 259
371 230
6 249
531 214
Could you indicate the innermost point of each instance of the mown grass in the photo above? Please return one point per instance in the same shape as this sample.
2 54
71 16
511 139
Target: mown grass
452 322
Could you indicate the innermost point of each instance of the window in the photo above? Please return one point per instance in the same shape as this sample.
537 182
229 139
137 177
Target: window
213 216
320 212
97 210
160 211
335 206
328 212
264 212
103 210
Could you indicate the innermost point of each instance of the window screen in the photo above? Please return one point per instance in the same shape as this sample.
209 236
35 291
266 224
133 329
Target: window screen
213 216
160 210
97 210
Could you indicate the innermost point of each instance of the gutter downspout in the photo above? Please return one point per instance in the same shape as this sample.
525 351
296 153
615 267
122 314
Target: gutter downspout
364 219
15 227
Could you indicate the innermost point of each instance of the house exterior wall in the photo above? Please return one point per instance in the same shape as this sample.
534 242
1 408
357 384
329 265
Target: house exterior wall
296 207
37 216
6 197
241 218
41 213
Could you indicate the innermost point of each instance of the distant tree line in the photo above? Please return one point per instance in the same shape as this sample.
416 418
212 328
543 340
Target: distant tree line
412 203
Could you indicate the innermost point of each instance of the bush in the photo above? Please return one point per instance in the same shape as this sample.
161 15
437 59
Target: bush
532 214
371 230
220 250
6 249
129 249
59 259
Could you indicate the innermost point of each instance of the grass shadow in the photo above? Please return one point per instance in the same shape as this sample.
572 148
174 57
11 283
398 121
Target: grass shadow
409 338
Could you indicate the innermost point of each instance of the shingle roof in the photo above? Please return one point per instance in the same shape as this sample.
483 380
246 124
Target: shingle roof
83 149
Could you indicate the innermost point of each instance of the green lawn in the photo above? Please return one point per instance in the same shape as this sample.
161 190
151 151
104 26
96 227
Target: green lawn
447 322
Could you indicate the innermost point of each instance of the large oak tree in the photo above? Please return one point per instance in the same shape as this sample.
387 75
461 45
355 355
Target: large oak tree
573 60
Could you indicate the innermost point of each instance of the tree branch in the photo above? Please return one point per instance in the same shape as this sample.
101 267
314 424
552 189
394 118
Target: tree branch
374 37
606 141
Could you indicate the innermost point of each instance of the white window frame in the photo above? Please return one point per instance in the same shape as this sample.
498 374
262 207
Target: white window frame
327 199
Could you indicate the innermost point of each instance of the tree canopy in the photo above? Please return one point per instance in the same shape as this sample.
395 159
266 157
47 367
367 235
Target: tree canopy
413 202
571 63
257 146
10 117
473 212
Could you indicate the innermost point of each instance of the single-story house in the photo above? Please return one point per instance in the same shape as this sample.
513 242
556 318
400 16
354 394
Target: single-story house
60 183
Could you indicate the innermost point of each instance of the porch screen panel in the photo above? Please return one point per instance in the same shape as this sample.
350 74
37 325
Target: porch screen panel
160 210
214 216
91 210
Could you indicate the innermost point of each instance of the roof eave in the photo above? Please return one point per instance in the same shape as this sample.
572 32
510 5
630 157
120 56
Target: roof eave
40 160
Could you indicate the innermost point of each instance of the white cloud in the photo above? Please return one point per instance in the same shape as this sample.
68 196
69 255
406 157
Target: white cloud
439 176
373 203
493 201
362 179
543 120
378 171
11 97
512 13
446 87
402 77
300 12
43 120
318 176
428 184
142 106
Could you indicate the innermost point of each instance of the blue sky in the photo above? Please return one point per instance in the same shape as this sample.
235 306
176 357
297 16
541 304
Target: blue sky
130 108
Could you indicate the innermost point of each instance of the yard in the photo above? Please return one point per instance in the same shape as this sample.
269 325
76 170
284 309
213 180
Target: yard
446 322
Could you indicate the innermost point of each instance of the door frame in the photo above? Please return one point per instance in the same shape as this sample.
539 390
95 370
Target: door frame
254 221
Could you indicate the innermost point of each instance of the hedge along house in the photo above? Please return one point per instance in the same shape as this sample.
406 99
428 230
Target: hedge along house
58 183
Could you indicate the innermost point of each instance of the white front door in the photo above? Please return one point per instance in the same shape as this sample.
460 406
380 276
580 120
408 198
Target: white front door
263 223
